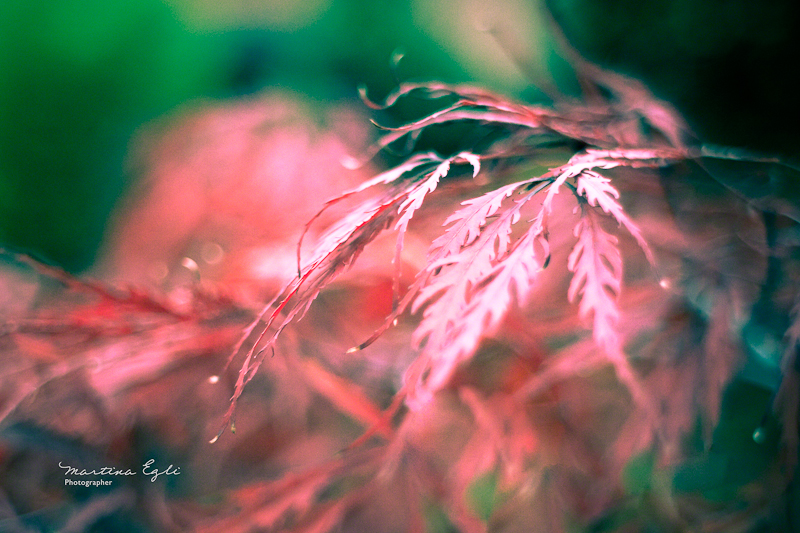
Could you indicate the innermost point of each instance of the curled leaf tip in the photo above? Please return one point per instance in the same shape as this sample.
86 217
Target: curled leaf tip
362 93
473 160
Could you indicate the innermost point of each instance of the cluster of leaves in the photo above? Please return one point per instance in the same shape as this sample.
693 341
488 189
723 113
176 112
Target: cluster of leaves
490 259
564 340
473 270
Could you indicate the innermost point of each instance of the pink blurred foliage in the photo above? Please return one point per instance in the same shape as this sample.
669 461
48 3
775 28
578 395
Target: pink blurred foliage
550 339
233 181
141 346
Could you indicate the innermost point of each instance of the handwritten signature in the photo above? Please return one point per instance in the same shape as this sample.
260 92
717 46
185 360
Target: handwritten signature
147 469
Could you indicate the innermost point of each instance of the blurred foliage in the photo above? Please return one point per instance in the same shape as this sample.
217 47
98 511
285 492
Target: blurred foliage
724 63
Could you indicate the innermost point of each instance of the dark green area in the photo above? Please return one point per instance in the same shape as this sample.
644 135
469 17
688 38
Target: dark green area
726 64
744 446
78 79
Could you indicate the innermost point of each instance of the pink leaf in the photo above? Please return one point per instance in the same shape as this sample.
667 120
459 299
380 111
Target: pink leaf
597 267
599 192
471 276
